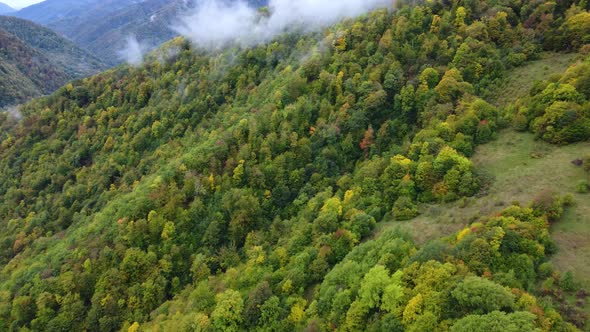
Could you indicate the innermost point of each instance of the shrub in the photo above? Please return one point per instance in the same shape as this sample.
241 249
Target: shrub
546 202
545 270
567 282
562 123
520 122
583 187
586 163
404 209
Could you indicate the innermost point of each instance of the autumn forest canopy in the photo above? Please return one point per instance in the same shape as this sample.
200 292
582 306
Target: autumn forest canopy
246 189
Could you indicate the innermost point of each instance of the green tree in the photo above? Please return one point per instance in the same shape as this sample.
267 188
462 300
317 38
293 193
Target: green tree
481 296
496 322
404 208
578 29
452 87
199 268
227 315
373 285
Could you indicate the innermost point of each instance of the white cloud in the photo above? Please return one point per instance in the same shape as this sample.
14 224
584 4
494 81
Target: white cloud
215 23
133 52
13 112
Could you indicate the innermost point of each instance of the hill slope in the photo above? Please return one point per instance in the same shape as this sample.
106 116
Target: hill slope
54 10
103 26
241 190
37 61
6 9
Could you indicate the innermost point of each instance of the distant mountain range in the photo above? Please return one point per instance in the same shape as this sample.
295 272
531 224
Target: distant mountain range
5 9
102 26
35 60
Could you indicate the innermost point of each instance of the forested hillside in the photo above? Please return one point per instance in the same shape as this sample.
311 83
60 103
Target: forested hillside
241 190
36 61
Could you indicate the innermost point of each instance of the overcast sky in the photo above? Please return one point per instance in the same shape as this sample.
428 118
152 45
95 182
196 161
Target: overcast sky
20 3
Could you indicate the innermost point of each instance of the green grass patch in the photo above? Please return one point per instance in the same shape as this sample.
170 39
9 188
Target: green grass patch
520 80
519 168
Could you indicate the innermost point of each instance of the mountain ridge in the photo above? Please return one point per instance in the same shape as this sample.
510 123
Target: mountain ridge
37 61
102 27
6 9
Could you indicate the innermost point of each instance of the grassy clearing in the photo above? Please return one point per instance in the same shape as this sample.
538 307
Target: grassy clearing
520 168
520 80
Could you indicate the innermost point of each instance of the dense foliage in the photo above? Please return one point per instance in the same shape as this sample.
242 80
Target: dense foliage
558 109
35 61
237 191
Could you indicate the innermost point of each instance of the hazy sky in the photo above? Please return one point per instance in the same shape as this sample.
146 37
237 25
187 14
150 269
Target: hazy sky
20 3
